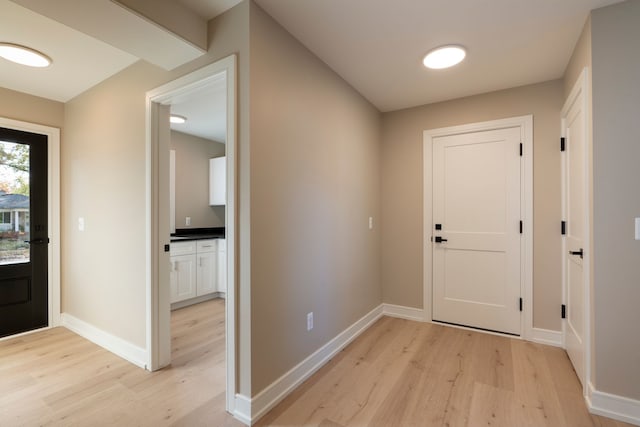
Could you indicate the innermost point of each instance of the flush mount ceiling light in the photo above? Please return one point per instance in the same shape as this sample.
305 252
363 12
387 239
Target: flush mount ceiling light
176 119
23 55
444 57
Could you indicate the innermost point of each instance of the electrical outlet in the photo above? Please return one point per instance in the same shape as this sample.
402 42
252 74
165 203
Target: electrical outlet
81 224
187 221
309 321
370 223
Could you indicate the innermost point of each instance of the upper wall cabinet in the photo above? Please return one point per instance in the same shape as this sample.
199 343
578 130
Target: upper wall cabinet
218 181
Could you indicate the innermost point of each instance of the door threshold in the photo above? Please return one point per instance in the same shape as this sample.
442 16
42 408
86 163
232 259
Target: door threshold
21 334
475 329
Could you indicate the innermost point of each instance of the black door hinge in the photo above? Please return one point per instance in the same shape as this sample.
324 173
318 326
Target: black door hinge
521 149
564 311
563 227
521 227
562 144
520 304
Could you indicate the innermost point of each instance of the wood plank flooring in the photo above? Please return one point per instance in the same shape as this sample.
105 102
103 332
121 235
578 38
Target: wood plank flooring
403 373
56 378
397 373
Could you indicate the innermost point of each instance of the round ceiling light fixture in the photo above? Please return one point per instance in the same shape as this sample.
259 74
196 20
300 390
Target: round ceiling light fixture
24 55
444 57
176 119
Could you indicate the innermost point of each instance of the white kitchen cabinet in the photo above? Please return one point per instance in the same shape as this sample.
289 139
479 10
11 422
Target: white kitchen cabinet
195 269
207 267
218 181
183 277
222 266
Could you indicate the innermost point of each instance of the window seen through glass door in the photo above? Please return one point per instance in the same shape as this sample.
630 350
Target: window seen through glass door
14 203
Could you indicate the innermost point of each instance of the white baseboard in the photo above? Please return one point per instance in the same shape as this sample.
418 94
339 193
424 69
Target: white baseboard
242 410
116 345
401 312
186 303
546 336
613 406
280 388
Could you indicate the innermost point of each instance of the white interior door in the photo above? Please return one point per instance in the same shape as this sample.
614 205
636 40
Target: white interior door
477 213
575 229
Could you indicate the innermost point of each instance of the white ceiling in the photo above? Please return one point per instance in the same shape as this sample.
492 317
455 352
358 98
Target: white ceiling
375 45
79 61
210 8
205 110
378 45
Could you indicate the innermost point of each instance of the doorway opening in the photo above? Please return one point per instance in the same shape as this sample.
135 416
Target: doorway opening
29 227
478 225
191 240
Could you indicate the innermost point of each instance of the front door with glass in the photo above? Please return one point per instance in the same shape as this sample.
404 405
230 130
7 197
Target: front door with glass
23 231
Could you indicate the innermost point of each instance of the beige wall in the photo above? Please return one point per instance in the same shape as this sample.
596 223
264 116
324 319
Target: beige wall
192 180
28 108
103 180
315 180
580 58
616 175
402 177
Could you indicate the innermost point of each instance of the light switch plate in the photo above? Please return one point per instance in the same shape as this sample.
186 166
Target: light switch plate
81 224
637 228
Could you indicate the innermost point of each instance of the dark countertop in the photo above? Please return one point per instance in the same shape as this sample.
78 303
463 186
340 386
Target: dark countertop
187 234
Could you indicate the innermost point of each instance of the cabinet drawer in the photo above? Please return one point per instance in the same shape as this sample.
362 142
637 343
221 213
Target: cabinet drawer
182 248
207 245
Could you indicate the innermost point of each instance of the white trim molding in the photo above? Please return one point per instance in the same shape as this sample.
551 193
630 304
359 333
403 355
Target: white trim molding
546 336
242 409
613 406
157 301
280 388
402 312
112 343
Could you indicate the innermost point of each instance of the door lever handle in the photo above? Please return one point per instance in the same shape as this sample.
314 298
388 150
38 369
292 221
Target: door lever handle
579 253
38 241
440 239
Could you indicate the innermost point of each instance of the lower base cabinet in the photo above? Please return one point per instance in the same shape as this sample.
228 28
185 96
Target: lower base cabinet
183 277
198 268
222 266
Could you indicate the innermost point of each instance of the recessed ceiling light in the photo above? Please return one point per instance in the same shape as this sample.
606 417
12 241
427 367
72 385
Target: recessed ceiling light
176 119
444 57
24 55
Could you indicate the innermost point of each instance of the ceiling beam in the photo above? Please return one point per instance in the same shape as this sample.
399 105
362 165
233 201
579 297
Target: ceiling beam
152 38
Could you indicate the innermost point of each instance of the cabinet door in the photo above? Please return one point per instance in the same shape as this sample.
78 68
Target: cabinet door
218 181
206 280
183 277
222 266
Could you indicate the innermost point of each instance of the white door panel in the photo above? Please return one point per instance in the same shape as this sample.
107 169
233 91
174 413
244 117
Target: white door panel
477 202
575 210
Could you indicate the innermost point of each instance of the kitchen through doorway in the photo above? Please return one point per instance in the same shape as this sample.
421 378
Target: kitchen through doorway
191 216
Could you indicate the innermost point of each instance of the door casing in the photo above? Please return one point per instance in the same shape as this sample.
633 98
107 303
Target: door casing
158 307
525 123
53 215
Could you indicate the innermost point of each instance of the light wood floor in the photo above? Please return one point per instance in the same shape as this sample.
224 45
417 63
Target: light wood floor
60 379
398 373
402 373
